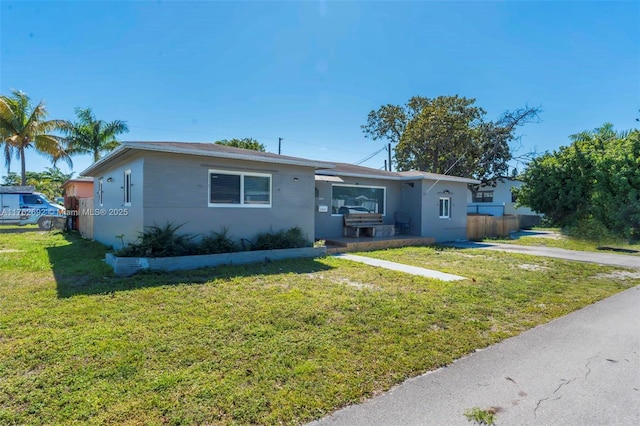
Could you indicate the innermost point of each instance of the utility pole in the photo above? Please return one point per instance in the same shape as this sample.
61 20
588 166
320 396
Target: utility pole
389 152
385 165
279 145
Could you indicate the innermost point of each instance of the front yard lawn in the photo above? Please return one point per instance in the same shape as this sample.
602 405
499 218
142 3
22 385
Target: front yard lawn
280 342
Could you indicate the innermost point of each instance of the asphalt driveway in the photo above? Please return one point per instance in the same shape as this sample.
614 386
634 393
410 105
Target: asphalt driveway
621 260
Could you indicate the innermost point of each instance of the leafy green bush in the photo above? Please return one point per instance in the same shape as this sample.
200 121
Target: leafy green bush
291 238
160 241
591 230
217 242
164 241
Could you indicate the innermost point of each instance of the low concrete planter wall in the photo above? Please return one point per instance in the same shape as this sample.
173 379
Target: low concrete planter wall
127 266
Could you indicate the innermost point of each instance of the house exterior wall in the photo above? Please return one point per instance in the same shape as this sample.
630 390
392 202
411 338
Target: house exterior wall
328 224
452 228
113 217
177 190
79 189
502 203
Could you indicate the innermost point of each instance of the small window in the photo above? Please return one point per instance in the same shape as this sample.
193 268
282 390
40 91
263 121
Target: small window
100 191
127 188
483 197
514 197
444 211
236 189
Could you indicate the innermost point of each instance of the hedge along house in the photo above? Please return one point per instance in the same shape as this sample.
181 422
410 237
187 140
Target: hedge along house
436 204
201 186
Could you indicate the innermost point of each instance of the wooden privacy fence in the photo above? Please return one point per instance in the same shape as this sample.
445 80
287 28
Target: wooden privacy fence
481 226
85 217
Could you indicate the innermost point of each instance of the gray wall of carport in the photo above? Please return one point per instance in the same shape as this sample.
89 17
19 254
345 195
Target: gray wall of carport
419 198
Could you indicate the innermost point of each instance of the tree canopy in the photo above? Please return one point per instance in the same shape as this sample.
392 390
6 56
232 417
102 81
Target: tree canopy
246 143
92 136
448 135
48 182
24 126
596 179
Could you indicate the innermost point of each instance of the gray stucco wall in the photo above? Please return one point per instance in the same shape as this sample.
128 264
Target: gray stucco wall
113 217
329 225
453 228
419 198
177 189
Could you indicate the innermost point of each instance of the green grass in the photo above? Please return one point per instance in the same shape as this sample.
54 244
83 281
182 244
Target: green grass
570 243
276 343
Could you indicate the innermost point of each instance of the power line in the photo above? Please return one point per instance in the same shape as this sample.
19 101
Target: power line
370 156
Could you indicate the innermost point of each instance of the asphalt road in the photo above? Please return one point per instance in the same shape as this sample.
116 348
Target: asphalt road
581 369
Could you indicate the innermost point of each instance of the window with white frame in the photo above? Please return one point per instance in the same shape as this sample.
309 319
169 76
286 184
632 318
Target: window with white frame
100 190
444 210
127 188
239 189
347 199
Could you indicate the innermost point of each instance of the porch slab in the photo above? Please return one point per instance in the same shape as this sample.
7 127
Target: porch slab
348 244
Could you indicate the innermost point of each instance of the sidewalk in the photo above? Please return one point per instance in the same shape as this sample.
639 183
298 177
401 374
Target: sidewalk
413 270
581 369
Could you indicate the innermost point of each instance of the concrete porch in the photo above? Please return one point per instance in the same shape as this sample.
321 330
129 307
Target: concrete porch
349 244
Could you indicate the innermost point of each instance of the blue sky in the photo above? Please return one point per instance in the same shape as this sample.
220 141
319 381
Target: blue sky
310 72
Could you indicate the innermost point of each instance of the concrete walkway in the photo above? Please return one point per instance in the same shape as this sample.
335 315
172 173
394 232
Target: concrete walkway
414 270
625 261
581 369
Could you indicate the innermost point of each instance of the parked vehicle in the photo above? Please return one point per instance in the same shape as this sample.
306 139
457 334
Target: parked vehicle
20 205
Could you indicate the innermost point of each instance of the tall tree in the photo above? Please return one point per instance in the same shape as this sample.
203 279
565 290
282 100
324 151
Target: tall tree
23 126
595 179
448 135
245 143
92 136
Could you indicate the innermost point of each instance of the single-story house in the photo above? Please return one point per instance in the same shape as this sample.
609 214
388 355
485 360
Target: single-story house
498 200
205 187
201 186
74 190
80 187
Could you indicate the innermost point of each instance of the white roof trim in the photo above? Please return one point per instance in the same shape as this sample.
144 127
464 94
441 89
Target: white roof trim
328 178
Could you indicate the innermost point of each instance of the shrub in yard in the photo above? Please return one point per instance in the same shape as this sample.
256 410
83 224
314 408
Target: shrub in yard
160 241
291 238
217 242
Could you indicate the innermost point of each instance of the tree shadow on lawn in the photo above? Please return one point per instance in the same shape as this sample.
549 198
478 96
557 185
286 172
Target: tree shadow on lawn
79 269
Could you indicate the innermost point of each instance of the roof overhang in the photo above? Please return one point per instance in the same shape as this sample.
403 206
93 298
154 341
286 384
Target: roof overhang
126 149
401 176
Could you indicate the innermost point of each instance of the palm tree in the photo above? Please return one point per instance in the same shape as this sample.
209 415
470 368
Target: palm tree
91 136
23 126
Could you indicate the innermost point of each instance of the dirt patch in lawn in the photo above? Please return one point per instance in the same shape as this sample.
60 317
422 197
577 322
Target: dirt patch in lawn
619 275
530 267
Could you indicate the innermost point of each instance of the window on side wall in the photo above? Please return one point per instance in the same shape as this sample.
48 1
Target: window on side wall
444 210
100 190
127 188
483 197
239 189
347 199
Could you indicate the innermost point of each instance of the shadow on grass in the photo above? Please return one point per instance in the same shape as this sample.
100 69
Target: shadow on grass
6 229
79 269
